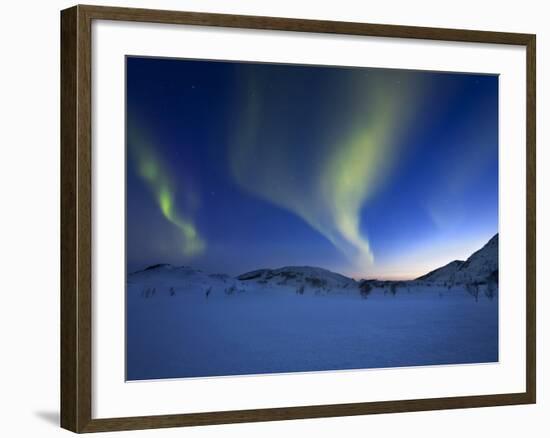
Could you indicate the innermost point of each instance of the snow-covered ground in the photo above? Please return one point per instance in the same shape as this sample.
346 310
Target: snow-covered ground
183 322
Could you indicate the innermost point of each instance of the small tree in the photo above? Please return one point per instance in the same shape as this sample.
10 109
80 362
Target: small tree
365 289
492 285
473 289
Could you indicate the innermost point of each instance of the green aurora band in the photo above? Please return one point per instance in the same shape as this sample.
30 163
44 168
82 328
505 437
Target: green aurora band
151 169
348 158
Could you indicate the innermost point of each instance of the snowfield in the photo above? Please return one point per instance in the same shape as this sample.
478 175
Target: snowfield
183 322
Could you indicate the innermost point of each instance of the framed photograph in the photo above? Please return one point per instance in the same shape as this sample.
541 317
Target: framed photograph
270 218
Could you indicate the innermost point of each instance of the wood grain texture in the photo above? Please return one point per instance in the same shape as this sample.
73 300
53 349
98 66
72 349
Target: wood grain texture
76 186
303 412
299 25
76 219
69 328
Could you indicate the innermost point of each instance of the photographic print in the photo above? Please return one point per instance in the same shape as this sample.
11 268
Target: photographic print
301 218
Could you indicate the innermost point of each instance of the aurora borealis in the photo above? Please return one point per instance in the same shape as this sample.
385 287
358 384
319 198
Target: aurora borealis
158 179
367 172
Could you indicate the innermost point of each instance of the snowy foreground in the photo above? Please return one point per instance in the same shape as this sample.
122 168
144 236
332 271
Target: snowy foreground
183 322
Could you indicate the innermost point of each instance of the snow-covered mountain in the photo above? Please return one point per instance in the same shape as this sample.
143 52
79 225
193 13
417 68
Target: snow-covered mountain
480 267
165 278
301 277
442 274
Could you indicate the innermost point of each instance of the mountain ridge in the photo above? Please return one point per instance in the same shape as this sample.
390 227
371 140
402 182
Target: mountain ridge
480 268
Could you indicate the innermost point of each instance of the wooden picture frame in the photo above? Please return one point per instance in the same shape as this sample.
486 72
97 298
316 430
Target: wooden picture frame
76 218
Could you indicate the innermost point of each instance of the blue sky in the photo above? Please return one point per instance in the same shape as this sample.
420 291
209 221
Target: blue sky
367 172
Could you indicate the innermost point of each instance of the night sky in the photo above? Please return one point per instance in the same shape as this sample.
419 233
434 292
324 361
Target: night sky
372 173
